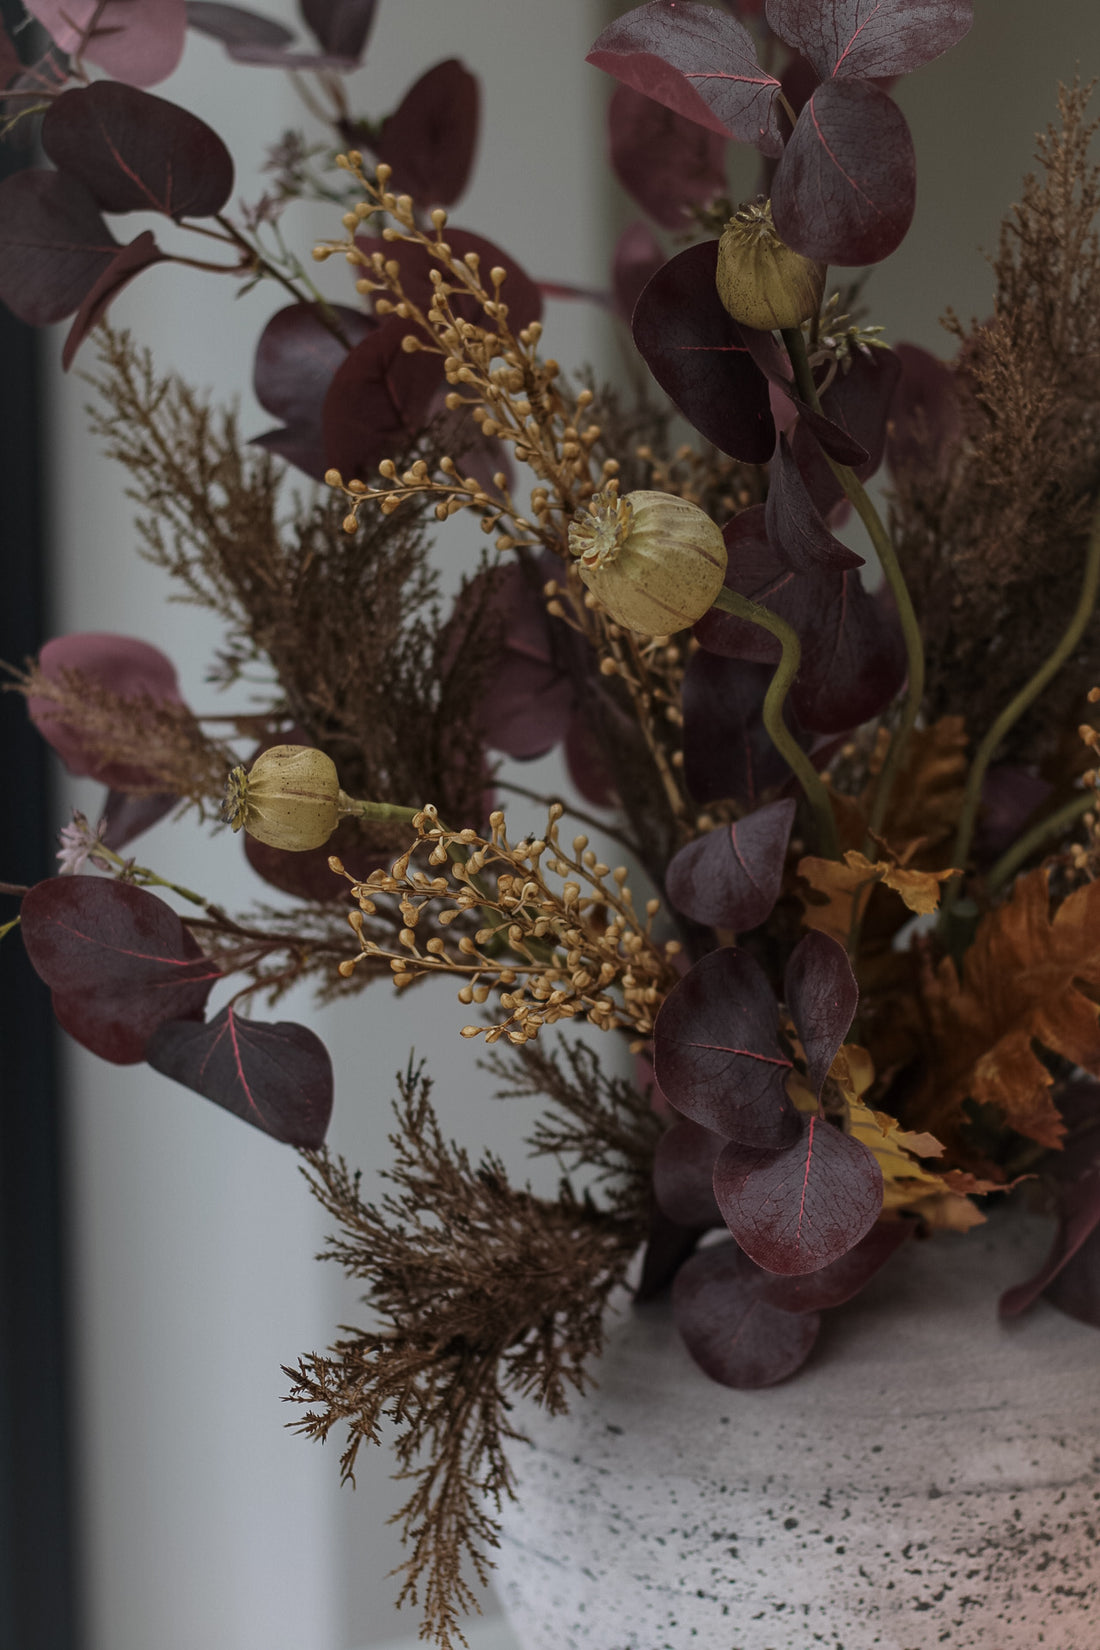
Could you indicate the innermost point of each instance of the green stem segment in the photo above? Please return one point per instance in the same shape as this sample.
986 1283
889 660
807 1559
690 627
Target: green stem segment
817 794
1052 826
1082 613
895 578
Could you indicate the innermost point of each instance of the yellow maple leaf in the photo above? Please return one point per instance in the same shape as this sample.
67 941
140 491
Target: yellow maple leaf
1029 979
848 882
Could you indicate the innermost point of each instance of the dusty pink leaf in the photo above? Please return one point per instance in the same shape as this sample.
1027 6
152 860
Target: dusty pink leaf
136 41
125 666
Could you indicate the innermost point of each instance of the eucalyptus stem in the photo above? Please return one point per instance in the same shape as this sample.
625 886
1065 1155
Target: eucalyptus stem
1022 849
816 792
857 496
1022 701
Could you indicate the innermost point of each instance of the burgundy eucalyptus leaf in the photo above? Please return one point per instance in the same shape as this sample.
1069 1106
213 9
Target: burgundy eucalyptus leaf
638 257
699 356
430 138
925 417
129 816
727 750
869 39
665 162
698 62
845 190
118 961
799 1208
54 245
667 1246
683 1174
821 993
127 262
795 526
799 81
732 1332
1010 796
10 61
730 877
853 654
1076 1288
275 1075
296 360
340 26
377 401
841 1279
307 876
1078 1219
587 765
124 666
138 43
859 401
236 26
717 1055
138 153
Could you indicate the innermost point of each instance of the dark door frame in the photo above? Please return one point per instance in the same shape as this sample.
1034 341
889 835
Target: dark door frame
38 1568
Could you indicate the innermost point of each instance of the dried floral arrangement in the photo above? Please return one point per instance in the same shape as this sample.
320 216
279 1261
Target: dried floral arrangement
852 943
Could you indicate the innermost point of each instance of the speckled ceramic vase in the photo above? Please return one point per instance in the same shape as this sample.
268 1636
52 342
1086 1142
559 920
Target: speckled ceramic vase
931 1477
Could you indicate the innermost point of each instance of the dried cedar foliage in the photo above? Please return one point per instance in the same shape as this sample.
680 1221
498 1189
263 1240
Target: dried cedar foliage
482 1290
993 537
346 623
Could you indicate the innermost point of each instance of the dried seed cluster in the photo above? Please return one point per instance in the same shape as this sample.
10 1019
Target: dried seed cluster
571 948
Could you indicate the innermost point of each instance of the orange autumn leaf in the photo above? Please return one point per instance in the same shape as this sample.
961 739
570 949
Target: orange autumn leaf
1029 979
925 799
846 881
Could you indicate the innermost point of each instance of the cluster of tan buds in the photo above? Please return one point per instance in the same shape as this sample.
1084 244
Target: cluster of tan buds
1085 856
495 373
559 935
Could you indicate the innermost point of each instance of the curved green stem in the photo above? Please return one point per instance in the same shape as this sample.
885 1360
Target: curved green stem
1082 613
857 496
1022 849
817 794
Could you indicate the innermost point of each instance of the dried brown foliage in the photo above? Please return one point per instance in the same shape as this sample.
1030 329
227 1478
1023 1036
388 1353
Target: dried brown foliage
483 1291
993 541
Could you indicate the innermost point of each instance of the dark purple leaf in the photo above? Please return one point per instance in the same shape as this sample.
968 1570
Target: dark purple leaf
10 63
667 1247
587 764
845 189
683 1174
799 80
139 43
638 257
717 1055
430 138
54 245
1078 1219
795 526
341 26
129 261
129 816
727 750
698 62
731 876
307 876
1076 1289
296 360
698 355
799 1208
124 666
275 1075
667 163
138 153
529 698
925 418
377 401
118 961
853 656
821 993
859 401
730 1329
841 1279
236 26
869 39
1076 1176
1009 798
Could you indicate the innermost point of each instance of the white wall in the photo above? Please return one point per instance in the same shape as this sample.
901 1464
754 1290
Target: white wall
209 1527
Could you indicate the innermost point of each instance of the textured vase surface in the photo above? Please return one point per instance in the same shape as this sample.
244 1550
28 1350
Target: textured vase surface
931 1477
